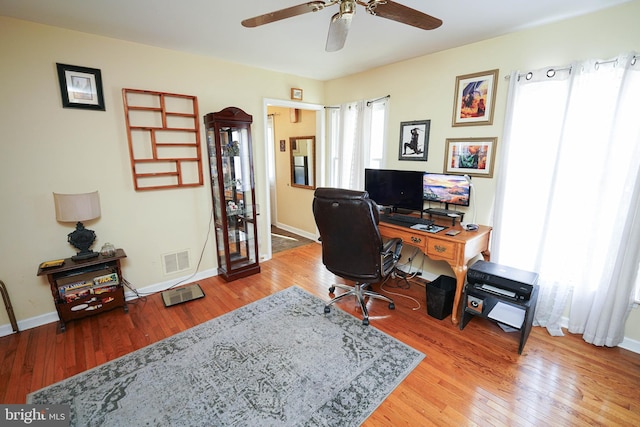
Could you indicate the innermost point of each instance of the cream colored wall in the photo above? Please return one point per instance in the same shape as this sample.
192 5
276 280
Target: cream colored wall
46 148
423 88
294 203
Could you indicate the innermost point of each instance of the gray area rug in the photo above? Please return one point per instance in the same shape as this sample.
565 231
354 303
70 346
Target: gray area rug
279 361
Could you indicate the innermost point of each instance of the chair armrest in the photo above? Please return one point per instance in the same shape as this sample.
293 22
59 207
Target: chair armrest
392 245
390 255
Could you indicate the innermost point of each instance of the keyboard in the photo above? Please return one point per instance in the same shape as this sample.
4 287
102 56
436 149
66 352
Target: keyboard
404 220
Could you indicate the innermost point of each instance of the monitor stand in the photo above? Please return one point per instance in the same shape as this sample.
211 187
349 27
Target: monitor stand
445 212
402 211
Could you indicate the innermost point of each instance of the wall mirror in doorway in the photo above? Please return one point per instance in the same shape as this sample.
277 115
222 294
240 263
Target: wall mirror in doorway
303 161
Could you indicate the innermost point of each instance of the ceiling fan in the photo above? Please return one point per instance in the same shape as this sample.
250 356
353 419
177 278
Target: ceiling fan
341 21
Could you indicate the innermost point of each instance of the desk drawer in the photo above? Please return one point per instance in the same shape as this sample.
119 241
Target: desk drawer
408 238
441 249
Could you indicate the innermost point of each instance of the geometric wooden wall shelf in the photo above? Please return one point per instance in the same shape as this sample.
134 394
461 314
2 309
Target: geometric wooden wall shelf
164 139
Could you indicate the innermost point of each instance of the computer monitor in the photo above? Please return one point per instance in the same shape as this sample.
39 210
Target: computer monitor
447 189
395 189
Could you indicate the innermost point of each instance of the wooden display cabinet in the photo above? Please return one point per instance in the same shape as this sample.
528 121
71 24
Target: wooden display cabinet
232 188
84 288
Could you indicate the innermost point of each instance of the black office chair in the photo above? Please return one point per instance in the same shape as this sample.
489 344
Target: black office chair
352 247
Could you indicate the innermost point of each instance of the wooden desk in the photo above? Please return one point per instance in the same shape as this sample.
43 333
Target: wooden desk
457 251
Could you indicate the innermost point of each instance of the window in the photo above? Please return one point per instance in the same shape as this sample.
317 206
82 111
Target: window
378 134
357 136
568 193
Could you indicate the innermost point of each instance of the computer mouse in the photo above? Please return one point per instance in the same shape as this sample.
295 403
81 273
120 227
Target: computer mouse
429 227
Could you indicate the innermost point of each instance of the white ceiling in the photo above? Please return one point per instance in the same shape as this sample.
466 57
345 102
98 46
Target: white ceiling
295 45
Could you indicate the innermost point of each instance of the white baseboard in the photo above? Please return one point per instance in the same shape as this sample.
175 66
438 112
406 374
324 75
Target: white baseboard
299 232
631 345
29 323
163 286
627 343
129 295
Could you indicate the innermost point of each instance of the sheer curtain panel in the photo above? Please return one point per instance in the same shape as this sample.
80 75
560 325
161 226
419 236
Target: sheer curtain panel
357 135
568 192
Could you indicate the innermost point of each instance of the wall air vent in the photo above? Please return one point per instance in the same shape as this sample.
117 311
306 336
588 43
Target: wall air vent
175 262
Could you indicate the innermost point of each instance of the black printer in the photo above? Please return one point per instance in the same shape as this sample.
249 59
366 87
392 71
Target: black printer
502 280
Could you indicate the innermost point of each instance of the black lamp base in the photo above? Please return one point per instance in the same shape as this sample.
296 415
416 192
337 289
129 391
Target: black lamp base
82 239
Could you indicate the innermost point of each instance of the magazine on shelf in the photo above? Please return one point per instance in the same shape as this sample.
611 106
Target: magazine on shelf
73 291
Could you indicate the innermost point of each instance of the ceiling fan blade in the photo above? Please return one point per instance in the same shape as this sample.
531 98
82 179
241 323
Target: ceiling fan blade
398 12
312 6
338 30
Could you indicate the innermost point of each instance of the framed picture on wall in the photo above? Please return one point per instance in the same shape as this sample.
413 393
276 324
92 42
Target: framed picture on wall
296 94
470 156
414 140
80 87
474 100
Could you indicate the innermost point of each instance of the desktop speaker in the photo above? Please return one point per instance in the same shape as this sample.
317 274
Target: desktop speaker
475 304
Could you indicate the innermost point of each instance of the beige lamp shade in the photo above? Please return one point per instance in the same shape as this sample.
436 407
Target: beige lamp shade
77 207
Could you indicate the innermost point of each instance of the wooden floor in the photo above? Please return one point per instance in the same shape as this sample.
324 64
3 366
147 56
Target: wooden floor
469 377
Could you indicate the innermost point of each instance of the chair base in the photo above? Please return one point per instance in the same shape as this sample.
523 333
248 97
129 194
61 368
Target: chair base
360 292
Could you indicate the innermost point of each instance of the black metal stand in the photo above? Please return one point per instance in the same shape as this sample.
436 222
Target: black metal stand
445 212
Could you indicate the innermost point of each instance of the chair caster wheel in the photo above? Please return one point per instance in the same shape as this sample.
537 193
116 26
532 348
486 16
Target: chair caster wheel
332 289
392 306
327 309
365 322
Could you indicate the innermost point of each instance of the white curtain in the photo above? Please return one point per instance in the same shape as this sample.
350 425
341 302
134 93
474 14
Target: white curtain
345 134
351 128
567 198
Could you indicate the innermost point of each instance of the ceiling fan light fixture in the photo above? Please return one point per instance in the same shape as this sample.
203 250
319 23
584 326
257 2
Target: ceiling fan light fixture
341 21
338 30
347 7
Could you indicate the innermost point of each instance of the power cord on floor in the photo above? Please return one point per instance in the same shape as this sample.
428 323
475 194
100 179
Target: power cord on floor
397 286
145 294
139 297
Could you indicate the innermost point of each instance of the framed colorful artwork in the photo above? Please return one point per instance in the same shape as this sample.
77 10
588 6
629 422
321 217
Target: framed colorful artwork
470 156
474 100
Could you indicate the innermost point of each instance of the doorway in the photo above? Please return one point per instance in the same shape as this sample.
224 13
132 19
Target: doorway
271 124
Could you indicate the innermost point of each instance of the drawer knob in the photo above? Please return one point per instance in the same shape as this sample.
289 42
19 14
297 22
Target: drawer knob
439 248
416 239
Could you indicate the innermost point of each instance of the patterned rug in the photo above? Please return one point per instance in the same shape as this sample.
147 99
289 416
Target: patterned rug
279 361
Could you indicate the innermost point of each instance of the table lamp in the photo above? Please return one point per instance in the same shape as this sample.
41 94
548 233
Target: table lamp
77 208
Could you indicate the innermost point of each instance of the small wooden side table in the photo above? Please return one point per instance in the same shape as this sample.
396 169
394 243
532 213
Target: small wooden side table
84 288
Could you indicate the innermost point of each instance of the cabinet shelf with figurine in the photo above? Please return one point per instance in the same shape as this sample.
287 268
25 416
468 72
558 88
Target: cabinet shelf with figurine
87 287
228 135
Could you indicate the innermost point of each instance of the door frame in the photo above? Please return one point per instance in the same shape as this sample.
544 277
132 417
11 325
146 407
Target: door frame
270 153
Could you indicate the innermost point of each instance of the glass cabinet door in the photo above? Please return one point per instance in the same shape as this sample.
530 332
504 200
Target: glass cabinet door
232 188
